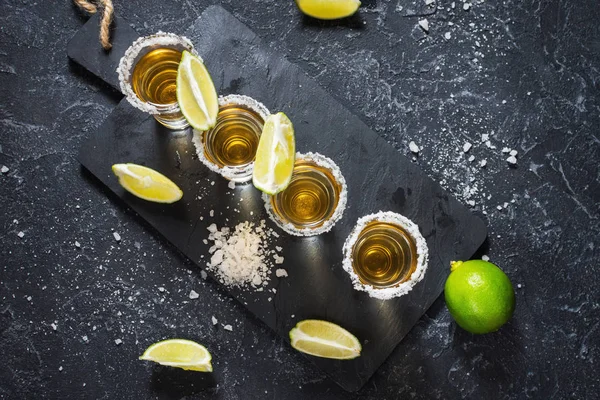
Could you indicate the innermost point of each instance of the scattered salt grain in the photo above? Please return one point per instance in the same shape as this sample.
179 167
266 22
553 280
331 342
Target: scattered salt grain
466 6
281 273
231 185
228 328
519 285
506 150
161 289
485 137
429 2
203 275
483 163
472 158
424 24
413 147
269 299
54 326
85 338
512 160
239 256
194 295
214 320
212 183
447 35
513 152
278 259
467 146
485 258
118 341
117 236
499 208
212 213
60 368
77 244
4 169
20 234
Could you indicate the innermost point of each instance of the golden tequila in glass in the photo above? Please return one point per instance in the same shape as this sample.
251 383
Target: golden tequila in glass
229 148
148 76
314 200
384 255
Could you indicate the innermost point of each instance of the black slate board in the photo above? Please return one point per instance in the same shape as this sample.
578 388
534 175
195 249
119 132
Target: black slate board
378 179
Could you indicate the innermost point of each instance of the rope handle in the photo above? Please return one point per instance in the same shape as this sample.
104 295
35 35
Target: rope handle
107 16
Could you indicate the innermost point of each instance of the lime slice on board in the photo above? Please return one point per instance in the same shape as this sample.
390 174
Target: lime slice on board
324 339
196 93
328 9
147 183
179 353
275 155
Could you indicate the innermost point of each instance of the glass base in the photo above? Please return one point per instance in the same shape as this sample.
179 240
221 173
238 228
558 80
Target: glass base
177 122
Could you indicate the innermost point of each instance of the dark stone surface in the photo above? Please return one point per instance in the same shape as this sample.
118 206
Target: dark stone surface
317 287
534 83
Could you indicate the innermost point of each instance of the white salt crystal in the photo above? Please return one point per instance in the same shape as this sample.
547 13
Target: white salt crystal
499 208
20 234
228 328
428 2
161 289
194 295
4 169
214 320
413 147
212 228
514 152
231 185
471 158
519 285
453 5
467 146
485 258
512 160
85 338
447 35
60 368
54 326
212 183
117 236
203 274
483 163
278 248
506 150
281 273
212 213
424 24
118 341
278 259
466 6
485 137
77 244
471 203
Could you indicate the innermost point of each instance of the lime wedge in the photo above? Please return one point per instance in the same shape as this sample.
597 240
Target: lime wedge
147 183
324 339
275 155
328 9
196 93
179 353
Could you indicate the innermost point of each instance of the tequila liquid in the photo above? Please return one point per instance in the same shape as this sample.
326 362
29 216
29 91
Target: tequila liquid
384 255
311 197
233 141
155 75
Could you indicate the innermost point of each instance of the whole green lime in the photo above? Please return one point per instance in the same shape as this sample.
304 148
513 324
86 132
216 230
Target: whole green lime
479 296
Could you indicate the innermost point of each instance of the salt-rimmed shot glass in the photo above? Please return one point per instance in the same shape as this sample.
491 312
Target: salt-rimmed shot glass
385 255
314 200
148 76
229 148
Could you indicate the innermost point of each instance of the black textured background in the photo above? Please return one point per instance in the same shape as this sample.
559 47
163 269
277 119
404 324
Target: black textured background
527 71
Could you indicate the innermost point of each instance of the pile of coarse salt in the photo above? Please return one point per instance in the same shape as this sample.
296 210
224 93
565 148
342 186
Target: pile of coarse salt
242 257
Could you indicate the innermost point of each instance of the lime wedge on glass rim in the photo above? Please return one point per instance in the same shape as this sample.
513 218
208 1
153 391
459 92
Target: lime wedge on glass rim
180 353
196 93
146 183
275 156
324 339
